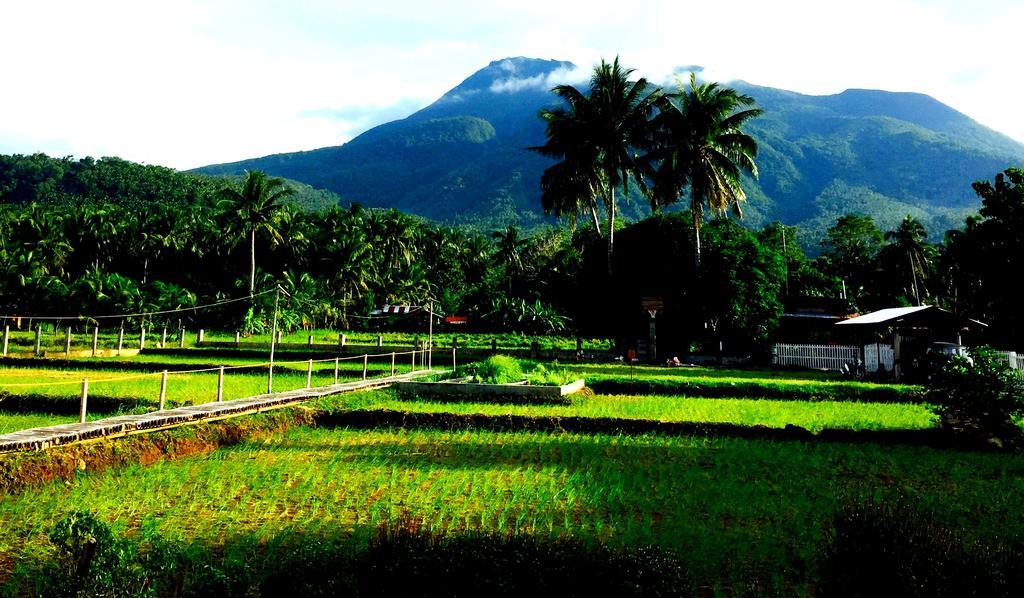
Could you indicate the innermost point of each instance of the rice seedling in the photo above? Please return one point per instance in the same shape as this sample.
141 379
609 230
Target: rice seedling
729 507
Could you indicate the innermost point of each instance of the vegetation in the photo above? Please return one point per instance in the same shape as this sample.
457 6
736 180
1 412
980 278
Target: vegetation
978 395
689 495
496 369
810 415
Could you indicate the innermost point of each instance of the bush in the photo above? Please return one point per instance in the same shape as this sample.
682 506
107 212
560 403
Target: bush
497 369
978 396
889 548
91 561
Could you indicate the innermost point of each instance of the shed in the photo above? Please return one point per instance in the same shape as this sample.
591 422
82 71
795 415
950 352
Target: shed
912 331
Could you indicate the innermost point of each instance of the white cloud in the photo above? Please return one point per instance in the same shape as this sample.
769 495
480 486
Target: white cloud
188 83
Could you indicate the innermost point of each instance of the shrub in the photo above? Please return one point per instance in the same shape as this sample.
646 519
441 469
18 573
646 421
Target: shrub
91 561
979 395
497 369
890 548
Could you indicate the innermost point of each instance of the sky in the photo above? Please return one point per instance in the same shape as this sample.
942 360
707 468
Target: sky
188 83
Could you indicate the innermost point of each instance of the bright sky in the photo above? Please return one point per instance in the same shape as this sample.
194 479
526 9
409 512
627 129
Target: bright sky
188 82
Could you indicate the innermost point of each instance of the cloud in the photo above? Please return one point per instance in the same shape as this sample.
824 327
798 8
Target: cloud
559 76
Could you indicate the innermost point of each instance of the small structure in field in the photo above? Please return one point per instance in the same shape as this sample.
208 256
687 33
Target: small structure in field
911 332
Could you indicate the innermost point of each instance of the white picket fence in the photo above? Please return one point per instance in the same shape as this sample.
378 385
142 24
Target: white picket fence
819 357
1015 359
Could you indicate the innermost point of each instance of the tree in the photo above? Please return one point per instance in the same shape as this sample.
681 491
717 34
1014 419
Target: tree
255 207
982 259
850 251
908 251
508 252
699 143
597 137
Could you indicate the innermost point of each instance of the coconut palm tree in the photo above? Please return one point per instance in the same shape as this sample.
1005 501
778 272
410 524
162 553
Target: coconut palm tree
597 137
508 252
908 245
699 143
253 208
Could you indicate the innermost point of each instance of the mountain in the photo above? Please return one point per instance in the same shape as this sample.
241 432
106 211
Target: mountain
463 158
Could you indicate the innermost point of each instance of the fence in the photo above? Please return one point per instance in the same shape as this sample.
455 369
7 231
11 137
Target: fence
393 362
1015 359
820 357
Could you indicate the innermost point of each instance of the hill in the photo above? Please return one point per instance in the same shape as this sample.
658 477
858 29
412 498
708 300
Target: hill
463 157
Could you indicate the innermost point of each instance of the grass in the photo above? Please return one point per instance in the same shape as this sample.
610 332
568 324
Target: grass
193 388
812 415
734 510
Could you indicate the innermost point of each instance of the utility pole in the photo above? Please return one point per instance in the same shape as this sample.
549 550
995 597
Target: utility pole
785 256
273 341
430 336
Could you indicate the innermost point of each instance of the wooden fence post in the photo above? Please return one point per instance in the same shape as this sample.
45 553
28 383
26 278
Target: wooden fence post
280 335
67 345
309 375
120 340
181 338
163 390
7 338
39 340
414 358
85 400
337 366
366 362
142 338
392 364
380 340
453 361
200 336
95 340
341 340
220 384
238 338
163 338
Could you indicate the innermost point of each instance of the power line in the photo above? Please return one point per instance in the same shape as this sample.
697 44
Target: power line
141 314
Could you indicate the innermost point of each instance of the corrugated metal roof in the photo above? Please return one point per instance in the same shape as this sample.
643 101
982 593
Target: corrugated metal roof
884 315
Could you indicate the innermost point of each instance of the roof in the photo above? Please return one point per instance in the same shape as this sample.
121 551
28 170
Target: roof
893 315
884 315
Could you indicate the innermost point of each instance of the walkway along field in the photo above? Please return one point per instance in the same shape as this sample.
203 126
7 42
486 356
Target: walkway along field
41 438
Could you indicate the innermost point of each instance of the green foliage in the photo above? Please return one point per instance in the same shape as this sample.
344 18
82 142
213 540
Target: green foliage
979 395
978 263
545 376
90 560
496 369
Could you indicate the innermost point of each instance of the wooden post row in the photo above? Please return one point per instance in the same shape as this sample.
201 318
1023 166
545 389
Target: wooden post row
95 340
163 390
85 400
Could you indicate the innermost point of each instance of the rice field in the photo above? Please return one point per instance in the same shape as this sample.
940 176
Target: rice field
812 415
733 509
